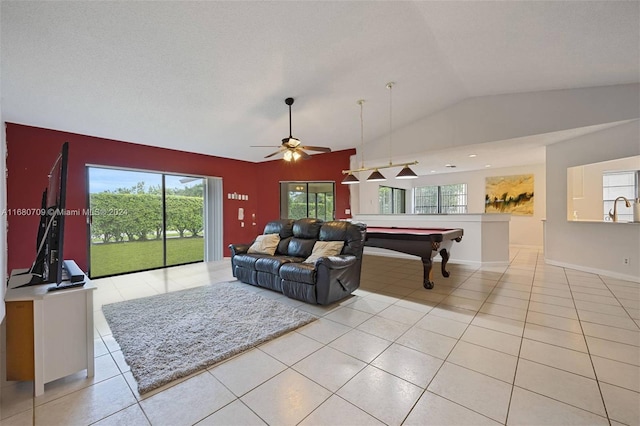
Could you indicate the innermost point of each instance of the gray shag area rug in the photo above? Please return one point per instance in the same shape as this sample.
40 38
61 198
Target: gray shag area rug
172 335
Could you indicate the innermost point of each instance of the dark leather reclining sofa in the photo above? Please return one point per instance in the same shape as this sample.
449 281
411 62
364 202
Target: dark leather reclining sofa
327 280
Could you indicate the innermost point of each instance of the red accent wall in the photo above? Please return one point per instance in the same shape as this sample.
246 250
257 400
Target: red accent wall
324 167
31 151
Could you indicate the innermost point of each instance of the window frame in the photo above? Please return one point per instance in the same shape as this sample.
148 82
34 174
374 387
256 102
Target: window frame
440 195
284 211
394 203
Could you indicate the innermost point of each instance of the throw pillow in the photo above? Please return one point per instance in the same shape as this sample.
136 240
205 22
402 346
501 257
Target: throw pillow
265 244
323 249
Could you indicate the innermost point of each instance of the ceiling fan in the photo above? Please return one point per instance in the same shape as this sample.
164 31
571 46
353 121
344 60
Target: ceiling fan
292 147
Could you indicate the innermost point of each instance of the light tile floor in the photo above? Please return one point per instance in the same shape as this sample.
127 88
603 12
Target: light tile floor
528 344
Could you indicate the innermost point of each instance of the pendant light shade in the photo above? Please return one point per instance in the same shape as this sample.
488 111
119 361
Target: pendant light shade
376 176
406 173
350 179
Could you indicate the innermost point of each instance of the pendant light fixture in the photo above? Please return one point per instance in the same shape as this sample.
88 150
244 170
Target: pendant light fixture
376 176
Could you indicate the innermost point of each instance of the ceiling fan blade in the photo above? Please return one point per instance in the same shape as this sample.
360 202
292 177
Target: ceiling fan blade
274 153
317 148
303 154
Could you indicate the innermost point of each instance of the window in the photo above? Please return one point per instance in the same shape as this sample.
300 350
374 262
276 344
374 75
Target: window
426 200
441 199
619 184
392 200
307 199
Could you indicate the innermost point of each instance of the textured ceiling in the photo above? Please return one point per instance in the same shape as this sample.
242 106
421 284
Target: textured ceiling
211 77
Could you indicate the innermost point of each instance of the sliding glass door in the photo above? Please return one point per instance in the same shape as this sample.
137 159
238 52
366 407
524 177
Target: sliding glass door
307 199
143 220
184 201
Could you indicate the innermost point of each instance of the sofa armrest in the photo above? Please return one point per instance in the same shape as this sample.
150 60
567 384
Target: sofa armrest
337 262
238 248
337 277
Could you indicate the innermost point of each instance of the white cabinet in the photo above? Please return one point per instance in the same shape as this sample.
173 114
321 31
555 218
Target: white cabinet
49 334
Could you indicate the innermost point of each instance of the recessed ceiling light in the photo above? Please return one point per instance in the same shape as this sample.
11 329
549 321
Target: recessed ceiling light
433 171
473 155
487 165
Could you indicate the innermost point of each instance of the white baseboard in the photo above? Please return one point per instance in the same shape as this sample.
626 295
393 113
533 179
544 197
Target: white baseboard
593 271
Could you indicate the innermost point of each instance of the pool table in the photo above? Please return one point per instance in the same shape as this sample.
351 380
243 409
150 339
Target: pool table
422 242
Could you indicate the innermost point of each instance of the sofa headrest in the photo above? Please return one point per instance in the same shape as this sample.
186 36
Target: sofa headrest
351 233
283 227
334 231
307 228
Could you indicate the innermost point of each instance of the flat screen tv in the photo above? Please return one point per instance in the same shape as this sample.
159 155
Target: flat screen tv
55 212
48 264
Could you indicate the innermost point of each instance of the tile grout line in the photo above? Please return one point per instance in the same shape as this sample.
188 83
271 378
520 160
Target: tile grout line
395 342
618 300
554 367
515 373
604 404
426 389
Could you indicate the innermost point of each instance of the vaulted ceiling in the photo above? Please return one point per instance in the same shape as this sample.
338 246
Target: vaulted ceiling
211 77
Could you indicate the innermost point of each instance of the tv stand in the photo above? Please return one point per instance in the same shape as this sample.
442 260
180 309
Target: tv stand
49 334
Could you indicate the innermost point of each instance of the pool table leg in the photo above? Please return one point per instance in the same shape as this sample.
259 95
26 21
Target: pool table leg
444 253
428 273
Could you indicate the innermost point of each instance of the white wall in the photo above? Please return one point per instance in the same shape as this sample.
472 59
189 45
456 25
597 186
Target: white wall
504 117
523 230
597 247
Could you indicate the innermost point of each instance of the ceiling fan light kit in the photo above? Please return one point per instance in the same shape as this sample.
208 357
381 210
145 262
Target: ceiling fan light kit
376 176
291 155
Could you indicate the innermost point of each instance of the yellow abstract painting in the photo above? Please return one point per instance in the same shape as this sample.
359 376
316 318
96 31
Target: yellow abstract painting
509 194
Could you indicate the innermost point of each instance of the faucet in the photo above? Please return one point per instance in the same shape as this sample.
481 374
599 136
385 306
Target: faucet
614 215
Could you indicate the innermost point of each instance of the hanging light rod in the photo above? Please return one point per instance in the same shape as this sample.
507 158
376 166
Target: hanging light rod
388 166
